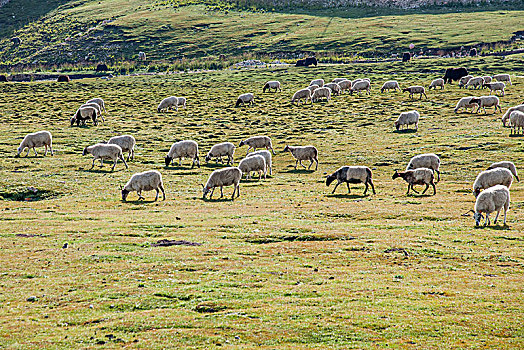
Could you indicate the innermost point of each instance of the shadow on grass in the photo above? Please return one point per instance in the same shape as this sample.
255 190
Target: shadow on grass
347 195
102 171
178 167
218 200
300 171
516 135
216 165
497 227
140 201
405 131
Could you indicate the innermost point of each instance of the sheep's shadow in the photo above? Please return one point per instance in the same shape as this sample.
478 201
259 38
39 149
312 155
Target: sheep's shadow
216 165
180 167
102 171
420 195
139 201
496 227
516 135
300 171
252 180
347 195
218 200
405 131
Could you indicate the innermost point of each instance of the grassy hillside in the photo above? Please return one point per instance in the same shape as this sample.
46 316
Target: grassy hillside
109 30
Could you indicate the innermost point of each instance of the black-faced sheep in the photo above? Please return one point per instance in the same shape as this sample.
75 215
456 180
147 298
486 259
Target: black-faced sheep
273 84
421 176
245 98
304 153
491 200
354 175
182 149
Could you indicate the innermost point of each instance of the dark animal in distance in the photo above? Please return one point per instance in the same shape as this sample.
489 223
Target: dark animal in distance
354 175
3 79
63 79
101 67
454 74
406 56
307 62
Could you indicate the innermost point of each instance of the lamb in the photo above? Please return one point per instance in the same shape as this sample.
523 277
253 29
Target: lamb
427 160
354 175
437 82
105 151
415 90
253 163
146 181
344 85
181 149
407 118
83 114
168 102
126 142
319 82
257 142
465 102
223 177
37 139
361 86
303 153
224 149
267 157
516 119
273 84
321 92
486 101
420 176
335 88
99 102
390 85
312 88
304 94
505 118
181 101
506 164
498 86
493 199
464 80
476 82
502 77
245 98
492 177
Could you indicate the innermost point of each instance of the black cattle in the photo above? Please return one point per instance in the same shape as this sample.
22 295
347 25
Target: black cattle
454 74
473 52
3 78
101 67
406 56
63 79
307 62
16 41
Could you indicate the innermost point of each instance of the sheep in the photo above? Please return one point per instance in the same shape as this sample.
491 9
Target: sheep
338 80
312 88
516 119
407 118
181 101
427 160
420 176
99 102
319 82
105 151
95 106
415 90
487 79
502 77
360 86
245 98
220 150
146 181
486 101
498 86
344 85
273 84
492 177
492 199
181 149
83 114
255 142
253 163
505 164
321 92
356 81
465 102
390 85
476 82
168 102
303 153
37 139
505 118
354 175
335 88
437 82
464 80
223 177
142 56
300 95
267 157
126 142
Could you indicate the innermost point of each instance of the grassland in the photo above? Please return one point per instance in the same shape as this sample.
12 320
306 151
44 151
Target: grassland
287 265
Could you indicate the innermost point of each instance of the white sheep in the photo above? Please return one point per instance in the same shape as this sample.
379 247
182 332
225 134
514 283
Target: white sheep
99 102
487 79
415 90
320 93
335 88
126 142
304 153
146 181
338 80
103 151
95 106
356 81
505 118
312 88
492 200
437 82
516 119
37 139
407 118
352 174
486 101
267 157
502 77
253 163
498 86
168 102
182 149
245 98
359 86
345 85
476 82
304 94
492 177
464 80
83 114
427 160
319 82
255 142
390 85
506 164
272 84
465 102
223 177
224 149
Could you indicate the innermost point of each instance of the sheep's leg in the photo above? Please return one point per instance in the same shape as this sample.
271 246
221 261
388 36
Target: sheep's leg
413 189
438 175
221 192
211 194
238 190
51 148
505 211
123 160
101 162
434 188
259 175
93 163
427 186
316 166
296 164
114 164
487 222
34 149
338 183
409 187
140 197
180 161
496 217
310 164
45 153
366 189
163 192
157 193
349 189
300 161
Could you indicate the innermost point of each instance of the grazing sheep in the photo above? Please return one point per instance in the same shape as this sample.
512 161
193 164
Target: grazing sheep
390 85
99 102
224 149
255 142
362 85
303 153
486 101
356 81
338 80
146 181
492 200
142 56
502 77
95 106
415 90
465 102
103 151
223 177
319 82
168 102
335 88
498 86
253 163
267 157
304 94
506 164
505 118
273 84
181 101
354 175
487 79
407 118
320 93
476 82
83 114
181 149
420 176
492 177
427 160
516 120
464 80
345 85
245 98
126 142
437 82
37 139
312 88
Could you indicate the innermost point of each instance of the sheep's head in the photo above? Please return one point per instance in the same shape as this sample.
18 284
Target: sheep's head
478 217
406 90
242 143
395 175
124 193
73 121
18 151
168 160
476 192
286 149
397 125
205 191
330 179
84 152
208 157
